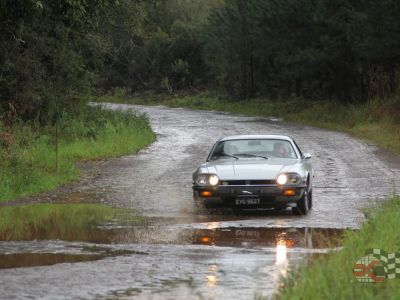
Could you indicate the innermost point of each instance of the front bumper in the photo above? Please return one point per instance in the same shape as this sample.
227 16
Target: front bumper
270 196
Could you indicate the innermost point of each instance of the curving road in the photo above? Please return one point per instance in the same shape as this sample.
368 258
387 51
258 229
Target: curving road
182 253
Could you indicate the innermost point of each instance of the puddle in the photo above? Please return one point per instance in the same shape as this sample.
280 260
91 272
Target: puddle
165 271
81 253
245 237
310 238
21 260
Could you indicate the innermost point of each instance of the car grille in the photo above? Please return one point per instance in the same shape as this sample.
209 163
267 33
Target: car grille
247 182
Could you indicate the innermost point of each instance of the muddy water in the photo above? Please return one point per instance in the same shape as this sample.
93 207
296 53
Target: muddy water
20 260
181 253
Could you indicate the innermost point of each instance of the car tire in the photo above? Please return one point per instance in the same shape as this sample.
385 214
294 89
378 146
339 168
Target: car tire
310 200
303 205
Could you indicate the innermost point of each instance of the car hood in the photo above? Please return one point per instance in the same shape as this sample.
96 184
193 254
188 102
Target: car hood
251 169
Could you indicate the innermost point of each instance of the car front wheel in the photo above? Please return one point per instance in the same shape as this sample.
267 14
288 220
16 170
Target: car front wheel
303 205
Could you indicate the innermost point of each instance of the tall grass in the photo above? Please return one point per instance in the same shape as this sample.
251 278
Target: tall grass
331 277
30 164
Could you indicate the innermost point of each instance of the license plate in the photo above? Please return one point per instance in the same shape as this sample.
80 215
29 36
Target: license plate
247 201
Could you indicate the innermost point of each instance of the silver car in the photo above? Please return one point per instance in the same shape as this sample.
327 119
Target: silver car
255 171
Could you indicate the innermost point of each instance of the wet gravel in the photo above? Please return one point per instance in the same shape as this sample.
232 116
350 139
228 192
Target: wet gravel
194 254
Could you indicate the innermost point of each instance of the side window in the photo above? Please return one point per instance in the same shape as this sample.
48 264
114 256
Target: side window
298 148
219 148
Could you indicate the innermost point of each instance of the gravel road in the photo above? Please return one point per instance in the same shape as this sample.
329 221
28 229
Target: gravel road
182 253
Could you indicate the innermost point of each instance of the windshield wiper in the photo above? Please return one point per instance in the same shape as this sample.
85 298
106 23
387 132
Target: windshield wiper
225 154
251 155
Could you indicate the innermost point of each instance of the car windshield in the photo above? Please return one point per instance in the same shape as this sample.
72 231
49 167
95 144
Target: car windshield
263 148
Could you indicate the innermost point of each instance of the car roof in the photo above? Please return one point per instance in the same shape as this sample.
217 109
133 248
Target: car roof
257 137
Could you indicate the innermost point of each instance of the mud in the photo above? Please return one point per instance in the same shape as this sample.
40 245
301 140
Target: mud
183 253
20 260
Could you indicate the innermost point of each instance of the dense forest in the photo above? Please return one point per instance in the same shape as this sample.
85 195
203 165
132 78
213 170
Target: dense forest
53 52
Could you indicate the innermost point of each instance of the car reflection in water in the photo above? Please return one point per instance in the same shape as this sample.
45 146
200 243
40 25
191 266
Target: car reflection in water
282 262
211 277
277 243
280 238
281 252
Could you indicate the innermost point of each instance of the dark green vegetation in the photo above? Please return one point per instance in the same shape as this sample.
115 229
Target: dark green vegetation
57 221
51 52
321 49
331 277
36 159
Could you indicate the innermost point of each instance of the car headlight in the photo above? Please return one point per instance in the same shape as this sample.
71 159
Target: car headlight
213 180
288 178
207 179
282 179
201 180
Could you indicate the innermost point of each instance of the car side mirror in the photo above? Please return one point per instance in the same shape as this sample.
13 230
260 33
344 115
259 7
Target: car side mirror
307 156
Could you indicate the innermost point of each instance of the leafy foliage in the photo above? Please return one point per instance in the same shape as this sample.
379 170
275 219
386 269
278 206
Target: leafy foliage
42 61
323 49
52 52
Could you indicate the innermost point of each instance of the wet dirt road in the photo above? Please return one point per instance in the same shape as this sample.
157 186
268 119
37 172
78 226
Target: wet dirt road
181 253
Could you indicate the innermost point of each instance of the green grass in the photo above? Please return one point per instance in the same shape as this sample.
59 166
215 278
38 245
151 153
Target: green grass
367 121
331 276
56 221
28 165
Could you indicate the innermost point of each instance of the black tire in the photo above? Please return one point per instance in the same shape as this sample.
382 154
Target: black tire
310 200
303 205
